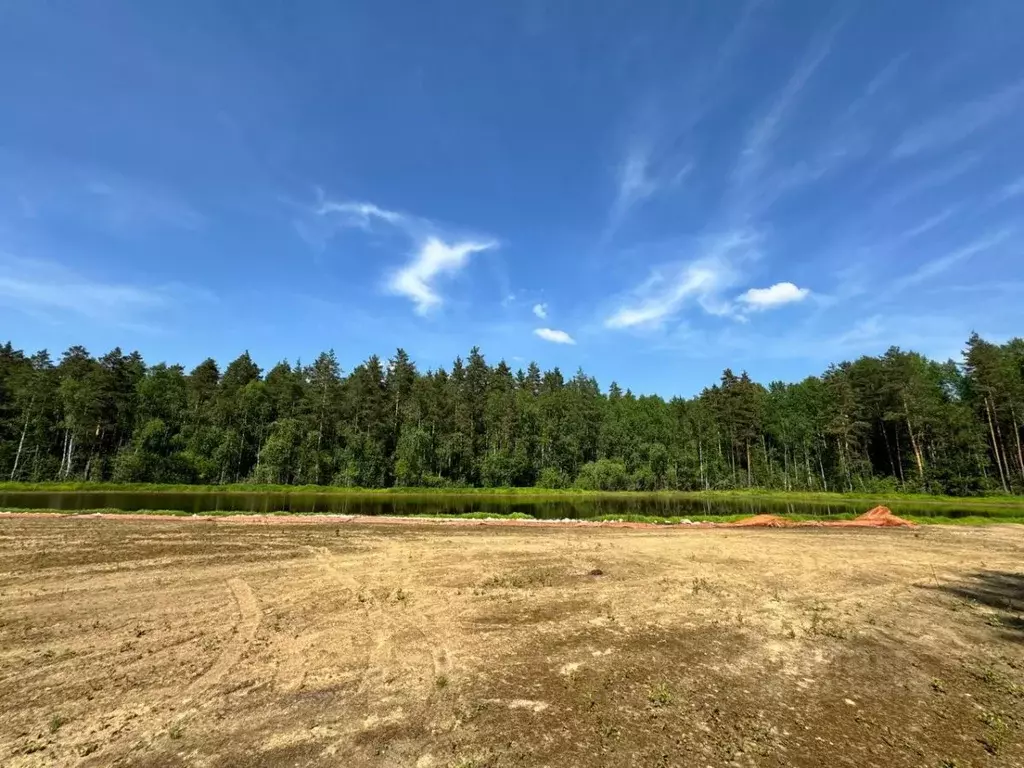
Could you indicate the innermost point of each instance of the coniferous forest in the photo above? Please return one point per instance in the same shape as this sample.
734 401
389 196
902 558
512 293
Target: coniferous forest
896 422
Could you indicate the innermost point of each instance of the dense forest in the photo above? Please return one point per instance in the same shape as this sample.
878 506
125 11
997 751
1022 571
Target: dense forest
899 421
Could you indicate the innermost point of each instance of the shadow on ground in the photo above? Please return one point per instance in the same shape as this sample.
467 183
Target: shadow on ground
1003 592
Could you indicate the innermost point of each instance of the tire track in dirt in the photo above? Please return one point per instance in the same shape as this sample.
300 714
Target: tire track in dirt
249 619
184 711
380 627
389 615
293 670
409 617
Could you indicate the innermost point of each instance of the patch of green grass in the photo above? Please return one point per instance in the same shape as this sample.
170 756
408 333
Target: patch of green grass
660 695
1000 519
176 731
993 737
56 722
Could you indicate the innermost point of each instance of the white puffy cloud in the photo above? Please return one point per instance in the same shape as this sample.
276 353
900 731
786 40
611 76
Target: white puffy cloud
540 310
554 336
775 296
433 259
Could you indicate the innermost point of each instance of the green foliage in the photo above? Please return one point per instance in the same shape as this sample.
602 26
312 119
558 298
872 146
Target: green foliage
877 426
603 475
660 695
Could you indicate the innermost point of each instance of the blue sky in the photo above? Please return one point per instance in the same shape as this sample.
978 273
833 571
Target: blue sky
650 190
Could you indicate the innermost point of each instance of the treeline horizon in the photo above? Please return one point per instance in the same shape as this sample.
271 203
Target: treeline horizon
894 422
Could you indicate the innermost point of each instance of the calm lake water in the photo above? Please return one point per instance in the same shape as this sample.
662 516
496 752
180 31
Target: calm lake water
355 504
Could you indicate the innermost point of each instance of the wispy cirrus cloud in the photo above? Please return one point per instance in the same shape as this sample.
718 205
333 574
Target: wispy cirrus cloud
359 214
755 155
927 225
642 173
44 193
1014 189
435 255
701 280
554 336
319 223
126 206
930 180
635 183
958 124
882 78
937 266
54 291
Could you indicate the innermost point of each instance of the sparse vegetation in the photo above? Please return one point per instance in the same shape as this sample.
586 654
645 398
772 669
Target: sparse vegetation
995 733
660 695
708 644
701 584
57 722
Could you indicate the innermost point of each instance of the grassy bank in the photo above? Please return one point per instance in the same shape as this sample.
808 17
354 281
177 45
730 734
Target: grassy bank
626 518
544 494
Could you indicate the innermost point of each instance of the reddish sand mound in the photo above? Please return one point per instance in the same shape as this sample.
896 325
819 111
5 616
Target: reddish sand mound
877 512
879 517
763 521
882 517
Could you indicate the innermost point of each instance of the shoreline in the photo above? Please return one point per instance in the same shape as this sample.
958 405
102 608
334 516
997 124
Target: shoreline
553 495
880 517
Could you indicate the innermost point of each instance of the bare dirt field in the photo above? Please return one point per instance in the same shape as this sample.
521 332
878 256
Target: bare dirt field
223 643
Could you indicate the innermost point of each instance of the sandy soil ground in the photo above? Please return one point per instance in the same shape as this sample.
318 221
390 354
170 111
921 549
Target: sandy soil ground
172 643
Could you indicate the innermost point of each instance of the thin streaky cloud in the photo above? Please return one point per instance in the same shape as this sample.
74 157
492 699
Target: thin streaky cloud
634 184
554 335
762 135
1014 189
959 123
935 267
881 79
930 180
50 289
361 213
1010 286
927 225
702 280
887 73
